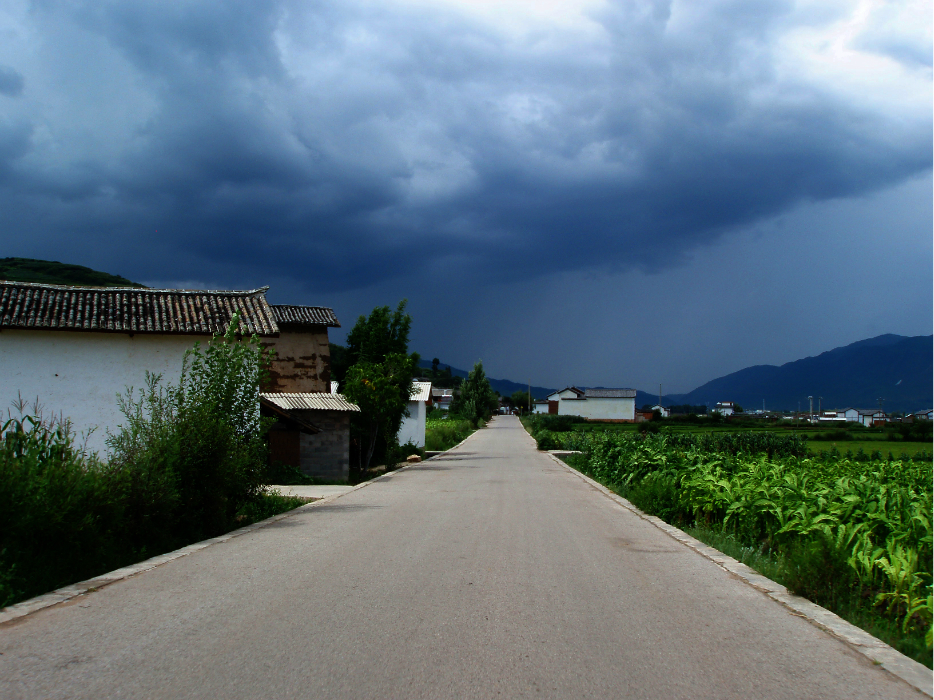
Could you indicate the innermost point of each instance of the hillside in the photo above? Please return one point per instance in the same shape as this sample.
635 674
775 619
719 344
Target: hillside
896 368
51 272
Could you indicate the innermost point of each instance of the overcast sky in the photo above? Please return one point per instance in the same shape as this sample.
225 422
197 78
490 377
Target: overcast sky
598 193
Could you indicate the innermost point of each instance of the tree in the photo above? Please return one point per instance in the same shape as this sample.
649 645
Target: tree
520 399
375 388
378 379
477 401
383 333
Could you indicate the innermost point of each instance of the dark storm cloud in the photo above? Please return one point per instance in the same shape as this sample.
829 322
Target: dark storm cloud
339 144
11 82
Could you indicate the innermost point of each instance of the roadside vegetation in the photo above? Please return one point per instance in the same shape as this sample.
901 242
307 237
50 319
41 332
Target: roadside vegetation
443 434
471 409
851 535
188 463
375 372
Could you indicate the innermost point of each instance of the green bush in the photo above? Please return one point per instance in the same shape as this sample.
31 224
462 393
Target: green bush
552 422
187 463
442 435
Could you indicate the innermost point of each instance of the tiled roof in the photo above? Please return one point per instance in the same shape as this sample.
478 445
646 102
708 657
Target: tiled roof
131 310
314 315
318 401
610 393
421 391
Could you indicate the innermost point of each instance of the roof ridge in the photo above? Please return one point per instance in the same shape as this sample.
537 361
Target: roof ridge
140 290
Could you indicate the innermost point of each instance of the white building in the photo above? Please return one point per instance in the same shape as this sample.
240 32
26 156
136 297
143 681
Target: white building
540 406
595 404
923 415
74 349
860 415
725 408
666 412
413 426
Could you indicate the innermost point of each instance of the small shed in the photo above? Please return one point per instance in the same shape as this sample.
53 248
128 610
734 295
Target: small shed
413 426
312 432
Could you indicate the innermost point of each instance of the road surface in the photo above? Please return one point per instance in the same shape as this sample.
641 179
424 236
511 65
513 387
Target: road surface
489 572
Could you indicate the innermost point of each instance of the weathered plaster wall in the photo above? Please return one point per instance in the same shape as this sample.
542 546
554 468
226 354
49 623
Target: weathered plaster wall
302 362
413 427
78 375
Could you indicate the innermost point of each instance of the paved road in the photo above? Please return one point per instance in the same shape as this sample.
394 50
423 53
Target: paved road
489 572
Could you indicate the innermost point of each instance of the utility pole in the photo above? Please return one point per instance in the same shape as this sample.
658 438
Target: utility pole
820 399
810 408
659 396
530 396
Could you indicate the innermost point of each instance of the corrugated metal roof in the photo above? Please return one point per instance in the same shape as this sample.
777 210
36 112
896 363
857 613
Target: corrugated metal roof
318 401
610 393
132 310
421 391
314 315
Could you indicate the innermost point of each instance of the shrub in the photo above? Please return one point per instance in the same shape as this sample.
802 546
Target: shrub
188 463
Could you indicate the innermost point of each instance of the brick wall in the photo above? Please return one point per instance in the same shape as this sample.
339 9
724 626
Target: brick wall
327 454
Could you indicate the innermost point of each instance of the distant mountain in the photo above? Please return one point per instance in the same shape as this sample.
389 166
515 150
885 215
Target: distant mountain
505 387
51 272
895 368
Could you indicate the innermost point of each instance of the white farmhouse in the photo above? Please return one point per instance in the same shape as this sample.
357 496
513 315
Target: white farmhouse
74 349
725 408
540 406
594 404
413 426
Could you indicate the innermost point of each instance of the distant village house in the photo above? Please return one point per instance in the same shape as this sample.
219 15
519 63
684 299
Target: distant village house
594 404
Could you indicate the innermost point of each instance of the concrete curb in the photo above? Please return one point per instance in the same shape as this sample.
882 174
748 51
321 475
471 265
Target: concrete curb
910 671
63 595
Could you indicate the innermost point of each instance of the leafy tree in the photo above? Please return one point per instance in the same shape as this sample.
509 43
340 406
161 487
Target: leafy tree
378 379
383 333
339 361
375 388
477 401
520 399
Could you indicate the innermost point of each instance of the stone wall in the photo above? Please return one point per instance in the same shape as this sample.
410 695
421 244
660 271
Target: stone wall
326 455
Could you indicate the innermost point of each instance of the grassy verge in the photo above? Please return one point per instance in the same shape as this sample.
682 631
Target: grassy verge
442 435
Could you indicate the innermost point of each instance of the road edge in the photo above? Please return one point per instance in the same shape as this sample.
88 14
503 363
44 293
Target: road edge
28 607
915 674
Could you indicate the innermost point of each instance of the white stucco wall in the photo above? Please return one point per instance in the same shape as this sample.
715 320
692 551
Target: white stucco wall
601 409
540 408
78 375
413 427
616 409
